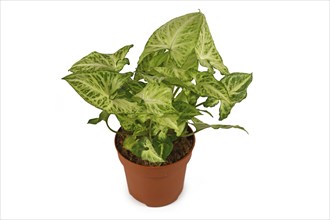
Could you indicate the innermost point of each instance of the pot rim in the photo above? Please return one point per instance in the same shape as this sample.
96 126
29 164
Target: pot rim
157 167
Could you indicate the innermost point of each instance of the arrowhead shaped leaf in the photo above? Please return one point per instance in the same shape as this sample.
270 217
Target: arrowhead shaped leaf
99 89
235 85
96 61
177 36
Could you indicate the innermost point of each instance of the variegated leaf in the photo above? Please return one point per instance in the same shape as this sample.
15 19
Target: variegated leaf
185 110
206 51
175 73
96 61
177 36
163 147
157 98
208 86
149 153
210 102
99 89
235 85
154 59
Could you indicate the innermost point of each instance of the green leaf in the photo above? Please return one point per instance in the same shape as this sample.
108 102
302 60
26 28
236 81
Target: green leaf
236 85
187 96
185 110
155 59
175 73
163 147
149 153
199 125
99 89
210 102
208 86
102 117
168 120
191 62
206 51
157 98
178 37
96 61
130 142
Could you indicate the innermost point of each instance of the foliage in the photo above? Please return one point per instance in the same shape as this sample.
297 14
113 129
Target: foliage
156 103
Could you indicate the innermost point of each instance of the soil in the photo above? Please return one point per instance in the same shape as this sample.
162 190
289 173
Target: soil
181 147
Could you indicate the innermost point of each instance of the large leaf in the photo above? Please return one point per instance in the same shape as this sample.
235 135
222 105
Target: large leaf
235 85
99 89
177 36
157 98
206 51
96 61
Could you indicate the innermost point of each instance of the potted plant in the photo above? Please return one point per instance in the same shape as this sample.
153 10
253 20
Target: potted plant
160 101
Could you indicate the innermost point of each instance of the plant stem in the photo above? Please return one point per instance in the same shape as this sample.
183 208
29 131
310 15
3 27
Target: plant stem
110 128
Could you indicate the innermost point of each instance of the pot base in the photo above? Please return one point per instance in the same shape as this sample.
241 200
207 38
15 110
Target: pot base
155 186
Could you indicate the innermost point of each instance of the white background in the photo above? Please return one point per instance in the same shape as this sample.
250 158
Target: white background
54 165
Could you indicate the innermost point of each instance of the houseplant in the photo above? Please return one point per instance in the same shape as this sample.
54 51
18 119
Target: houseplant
157 102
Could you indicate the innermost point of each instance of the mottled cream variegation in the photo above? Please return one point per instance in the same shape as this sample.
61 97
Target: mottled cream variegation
156 103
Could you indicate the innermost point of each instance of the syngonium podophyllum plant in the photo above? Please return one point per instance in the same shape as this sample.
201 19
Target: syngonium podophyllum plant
156 103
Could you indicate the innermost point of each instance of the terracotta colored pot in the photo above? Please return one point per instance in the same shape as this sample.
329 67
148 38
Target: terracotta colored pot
155 185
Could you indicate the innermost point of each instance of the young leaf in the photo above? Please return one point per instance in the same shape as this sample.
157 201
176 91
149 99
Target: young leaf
102 117
178 36
96 61
206 51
